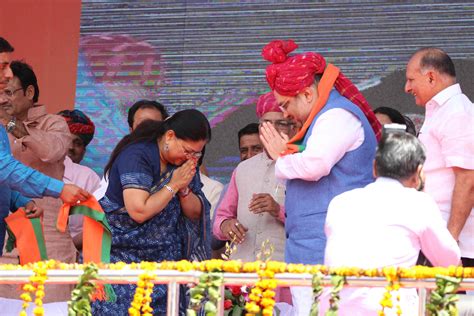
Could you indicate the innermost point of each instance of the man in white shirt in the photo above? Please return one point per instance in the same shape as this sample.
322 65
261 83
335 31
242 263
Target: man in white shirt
387 223
448 134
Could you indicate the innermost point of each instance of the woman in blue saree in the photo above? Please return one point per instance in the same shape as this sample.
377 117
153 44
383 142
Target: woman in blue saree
154 203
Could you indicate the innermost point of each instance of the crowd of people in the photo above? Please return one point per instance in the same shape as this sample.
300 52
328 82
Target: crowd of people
320 178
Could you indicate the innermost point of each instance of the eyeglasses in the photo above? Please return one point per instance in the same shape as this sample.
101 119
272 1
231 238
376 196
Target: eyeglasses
284 106
9 93
280 124
190 153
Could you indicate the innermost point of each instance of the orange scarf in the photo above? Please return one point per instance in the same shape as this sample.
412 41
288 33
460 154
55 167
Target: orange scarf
27 236
96 236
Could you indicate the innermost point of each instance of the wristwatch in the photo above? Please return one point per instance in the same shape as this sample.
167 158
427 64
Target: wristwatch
11 125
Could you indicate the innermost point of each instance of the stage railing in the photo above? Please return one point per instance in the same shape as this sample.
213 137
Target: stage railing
174 278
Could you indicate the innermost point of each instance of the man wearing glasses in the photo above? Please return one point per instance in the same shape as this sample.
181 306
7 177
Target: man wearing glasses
252 210
13 174
331 154
40 141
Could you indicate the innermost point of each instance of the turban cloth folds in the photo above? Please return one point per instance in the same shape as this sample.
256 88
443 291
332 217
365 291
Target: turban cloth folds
267 103
79 124
289 75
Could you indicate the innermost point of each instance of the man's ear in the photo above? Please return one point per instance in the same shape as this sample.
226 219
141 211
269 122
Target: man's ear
431 76
30 92
310 94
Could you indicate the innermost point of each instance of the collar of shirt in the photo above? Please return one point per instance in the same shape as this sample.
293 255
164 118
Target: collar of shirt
36 112
264 157
441 98
389 181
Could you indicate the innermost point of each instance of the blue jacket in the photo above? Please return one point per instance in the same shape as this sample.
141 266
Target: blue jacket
307 202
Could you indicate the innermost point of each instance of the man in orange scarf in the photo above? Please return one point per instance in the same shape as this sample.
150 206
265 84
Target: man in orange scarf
331 154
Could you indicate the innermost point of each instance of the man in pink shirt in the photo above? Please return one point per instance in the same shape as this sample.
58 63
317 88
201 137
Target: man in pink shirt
448 134
252 210
387 223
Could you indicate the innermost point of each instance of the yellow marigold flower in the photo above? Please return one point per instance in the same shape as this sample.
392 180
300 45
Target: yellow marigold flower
25 297
184 266
38 311
256 291
276 266
271 284
269 294
254 298
28 287
265 302
251 307
399 310
232 266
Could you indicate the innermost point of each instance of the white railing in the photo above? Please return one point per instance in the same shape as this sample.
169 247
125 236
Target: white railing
174 278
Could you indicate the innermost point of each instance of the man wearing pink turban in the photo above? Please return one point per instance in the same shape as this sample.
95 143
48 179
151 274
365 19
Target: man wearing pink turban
331 154
252 210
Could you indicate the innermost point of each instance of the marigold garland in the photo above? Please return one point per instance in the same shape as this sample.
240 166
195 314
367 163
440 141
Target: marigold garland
392 275
142 299
36 285
262 295
266 273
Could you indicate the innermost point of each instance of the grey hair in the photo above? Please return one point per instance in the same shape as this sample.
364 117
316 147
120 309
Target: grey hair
438 59
398 155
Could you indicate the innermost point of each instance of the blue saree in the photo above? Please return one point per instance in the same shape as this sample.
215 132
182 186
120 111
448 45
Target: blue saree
167 236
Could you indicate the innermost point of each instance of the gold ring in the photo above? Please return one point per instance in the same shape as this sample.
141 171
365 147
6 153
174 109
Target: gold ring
237 224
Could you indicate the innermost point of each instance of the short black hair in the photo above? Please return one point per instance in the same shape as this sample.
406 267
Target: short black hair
398 118
26 76
5 47
398 155
411 128
436 58
145 104
394 115
248 129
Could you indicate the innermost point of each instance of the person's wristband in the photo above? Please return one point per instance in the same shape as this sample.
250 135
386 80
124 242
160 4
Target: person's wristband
184 193
167 187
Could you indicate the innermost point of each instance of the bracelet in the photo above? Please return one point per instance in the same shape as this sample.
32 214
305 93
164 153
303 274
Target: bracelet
184 193
167 187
